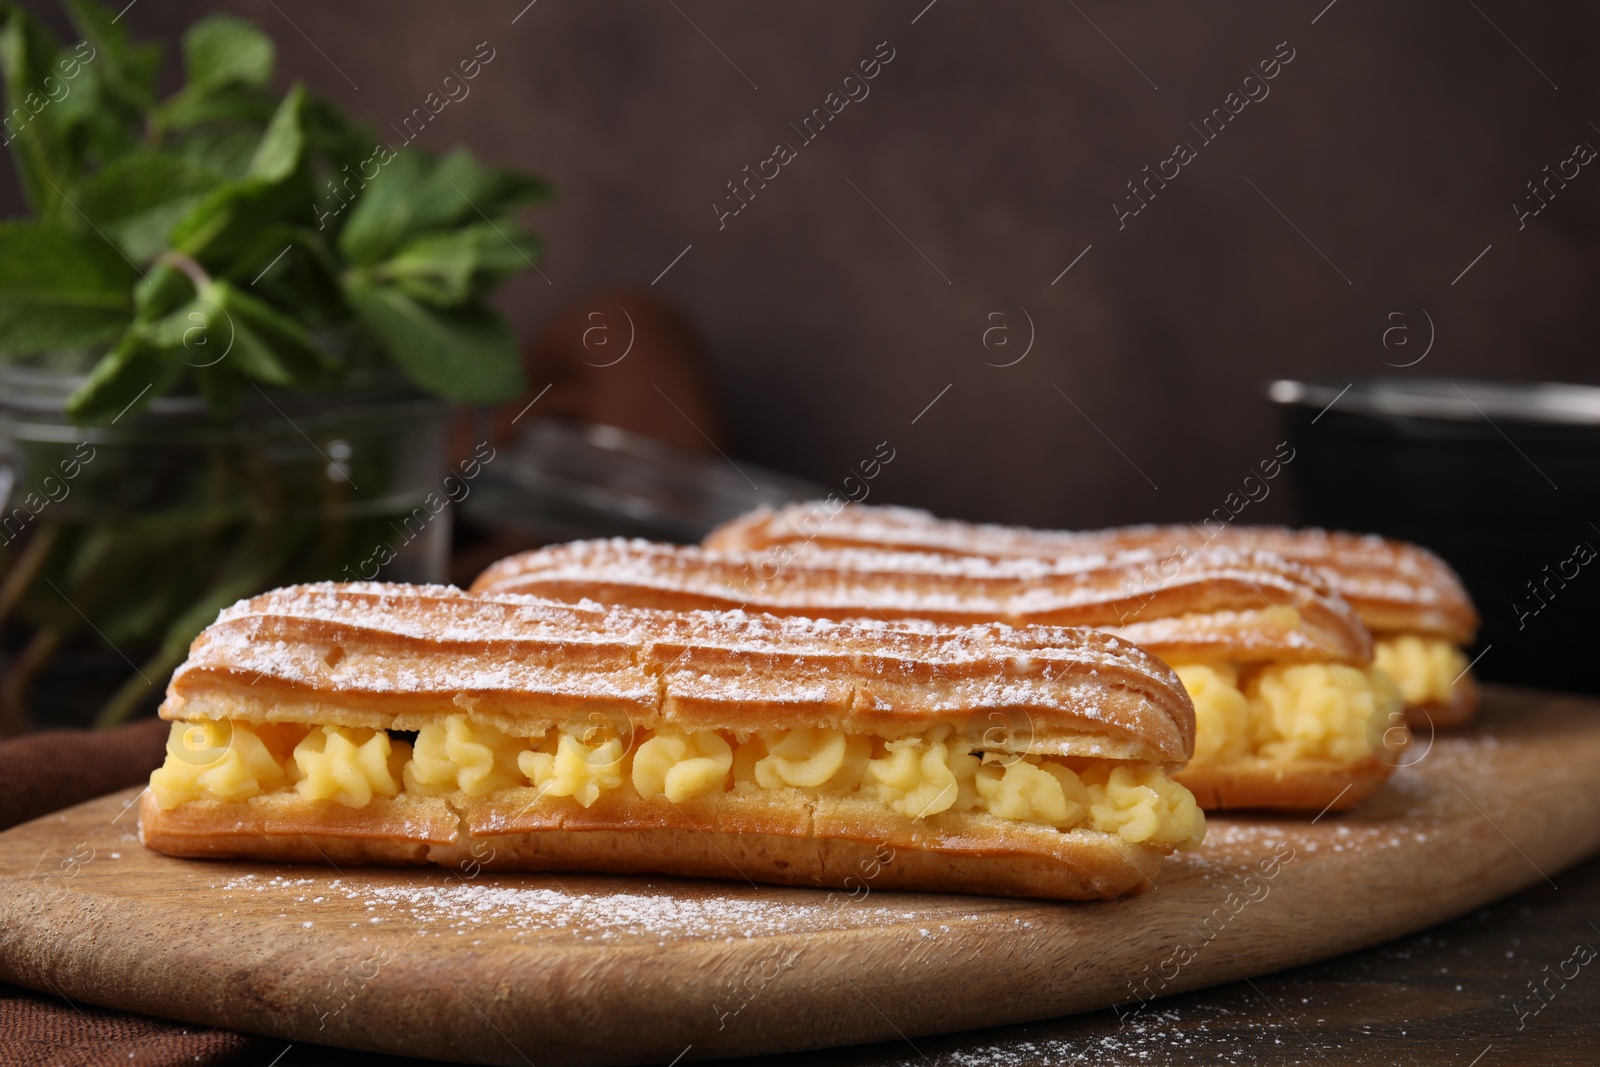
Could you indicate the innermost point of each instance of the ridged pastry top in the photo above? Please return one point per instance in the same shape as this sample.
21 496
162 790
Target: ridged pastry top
401 656
1243 607
1396 587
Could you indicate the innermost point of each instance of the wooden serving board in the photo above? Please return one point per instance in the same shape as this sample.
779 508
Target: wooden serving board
569 969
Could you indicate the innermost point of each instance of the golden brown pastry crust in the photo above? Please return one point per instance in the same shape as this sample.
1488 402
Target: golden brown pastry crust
1220 605
794 840
284 826
843 844
401 657
1099 873
1243 607
1459 710
1395 586
1303 785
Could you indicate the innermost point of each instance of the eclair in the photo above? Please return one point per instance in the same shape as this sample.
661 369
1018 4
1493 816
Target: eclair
393 724
1415 605
1289 713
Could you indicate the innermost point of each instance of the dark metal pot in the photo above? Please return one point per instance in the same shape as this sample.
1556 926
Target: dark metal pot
1500 478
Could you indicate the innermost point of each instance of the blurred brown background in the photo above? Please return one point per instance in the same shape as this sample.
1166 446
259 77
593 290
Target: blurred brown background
860 282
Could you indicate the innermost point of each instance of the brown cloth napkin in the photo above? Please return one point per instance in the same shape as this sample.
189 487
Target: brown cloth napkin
44 772
36 1029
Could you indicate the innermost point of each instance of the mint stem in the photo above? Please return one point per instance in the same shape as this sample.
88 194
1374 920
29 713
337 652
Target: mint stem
193 270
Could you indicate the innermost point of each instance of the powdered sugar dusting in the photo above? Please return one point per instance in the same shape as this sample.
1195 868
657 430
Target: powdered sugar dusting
334 643
455 907
1096 589
1365 568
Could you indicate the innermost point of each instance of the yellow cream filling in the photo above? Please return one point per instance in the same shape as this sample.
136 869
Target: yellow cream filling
347 764
219 761
459 754
680 765
915 776
566 765
1423 668
1286 712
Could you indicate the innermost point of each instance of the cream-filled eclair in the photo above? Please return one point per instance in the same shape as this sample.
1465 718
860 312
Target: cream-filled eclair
1415 605
1289 712
406 724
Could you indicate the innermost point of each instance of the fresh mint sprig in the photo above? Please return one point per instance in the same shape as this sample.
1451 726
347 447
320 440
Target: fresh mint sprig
229 218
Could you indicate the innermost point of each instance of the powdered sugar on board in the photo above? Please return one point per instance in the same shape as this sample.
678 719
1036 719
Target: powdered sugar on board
451 907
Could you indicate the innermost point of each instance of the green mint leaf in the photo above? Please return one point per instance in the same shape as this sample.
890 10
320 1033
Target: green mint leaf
453 266
277 189
128 70
138 199
160 292
417 194
384 210
97 124
224 331
197 328
226 151
28 52
339 139
267 344
283 143
60 289
129 377
226 220
436 268
292 267
512 251
466 354
222 49
465 190
232 103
